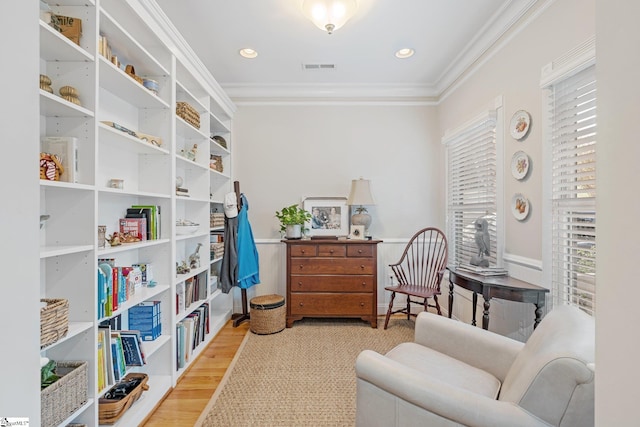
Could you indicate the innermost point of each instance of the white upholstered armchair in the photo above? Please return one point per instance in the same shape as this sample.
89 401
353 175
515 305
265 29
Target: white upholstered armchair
456 374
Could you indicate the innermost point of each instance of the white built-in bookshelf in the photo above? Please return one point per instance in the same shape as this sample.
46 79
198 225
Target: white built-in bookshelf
138 33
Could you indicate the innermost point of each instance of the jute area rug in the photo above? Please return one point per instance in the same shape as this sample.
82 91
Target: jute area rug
302 376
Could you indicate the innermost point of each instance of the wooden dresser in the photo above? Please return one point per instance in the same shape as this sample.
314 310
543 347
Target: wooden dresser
332 278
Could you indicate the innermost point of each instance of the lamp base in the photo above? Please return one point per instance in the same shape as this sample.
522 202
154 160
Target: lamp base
361 219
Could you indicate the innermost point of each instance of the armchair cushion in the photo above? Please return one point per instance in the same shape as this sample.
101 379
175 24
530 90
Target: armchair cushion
449 370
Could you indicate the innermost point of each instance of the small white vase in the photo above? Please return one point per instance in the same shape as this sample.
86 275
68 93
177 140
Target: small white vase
293 231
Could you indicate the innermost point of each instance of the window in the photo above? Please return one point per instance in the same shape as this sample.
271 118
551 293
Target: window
573 189
471 186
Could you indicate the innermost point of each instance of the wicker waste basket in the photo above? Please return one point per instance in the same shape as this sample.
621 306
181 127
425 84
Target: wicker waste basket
268 314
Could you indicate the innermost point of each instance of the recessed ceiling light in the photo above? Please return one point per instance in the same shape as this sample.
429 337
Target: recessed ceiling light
248 53
405 53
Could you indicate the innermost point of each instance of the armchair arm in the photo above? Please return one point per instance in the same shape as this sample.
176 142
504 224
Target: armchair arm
482 349
458 405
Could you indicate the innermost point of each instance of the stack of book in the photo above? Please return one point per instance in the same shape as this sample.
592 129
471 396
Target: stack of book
484 271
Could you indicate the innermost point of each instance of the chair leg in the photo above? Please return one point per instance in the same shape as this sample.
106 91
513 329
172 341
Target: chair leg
435 298
408 308
386 320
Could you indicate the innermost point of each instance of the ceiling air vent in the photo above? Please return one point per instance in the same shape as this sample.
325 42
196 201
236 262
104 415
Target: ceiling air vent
318 66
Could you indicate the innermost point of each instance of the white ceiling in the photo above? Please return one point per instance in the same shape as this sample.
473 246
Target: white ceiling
447 35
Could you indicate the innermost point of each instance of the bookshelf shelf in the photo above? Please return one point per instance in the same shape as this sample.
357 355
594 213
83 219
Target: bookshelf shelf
55 46
75 329
72 260
53 251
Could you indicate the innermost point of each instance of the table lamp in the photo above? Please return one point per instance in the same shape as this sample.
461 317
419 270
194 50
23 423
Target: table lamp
360 196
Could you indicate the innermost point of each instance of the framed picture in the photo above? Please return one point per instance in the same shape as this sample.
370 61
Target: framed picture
357 232
329 216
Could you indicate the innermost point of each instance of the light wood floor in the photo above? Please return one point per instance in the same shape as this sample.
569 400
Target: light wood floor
183 404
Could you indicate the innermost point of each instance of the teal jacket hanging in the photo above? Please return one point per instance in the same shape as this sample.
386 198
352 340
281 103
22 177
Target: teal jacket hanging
248 262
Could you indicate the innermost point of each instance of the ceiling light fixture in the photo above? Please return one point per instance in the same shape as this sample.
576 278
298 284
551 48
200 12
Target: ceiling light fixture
329 15
405 53
248 53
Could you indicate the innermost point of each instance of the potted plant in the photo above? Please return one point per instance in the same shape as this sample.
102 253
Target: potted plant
292 219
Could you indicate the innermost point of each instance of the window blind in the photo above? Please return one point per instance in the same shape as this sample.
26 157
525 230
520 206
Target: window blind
471 187
573 187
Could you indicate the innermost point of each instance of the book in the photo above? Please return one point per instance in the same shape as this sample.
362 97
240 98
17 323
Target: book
484 271
153 212
146 270
65 147
131 348
102 378
102 293
146 317
119 367
140 213
108 272
105 333
180 306
180 352
133 280
136 227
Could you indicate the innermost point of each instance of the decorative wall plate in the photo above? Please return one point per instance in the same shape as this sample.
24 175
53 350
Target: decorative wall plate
520 207
520 123
520 165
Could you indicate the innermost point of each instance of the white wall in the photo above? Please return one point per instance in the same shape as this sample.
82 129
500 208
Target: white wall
19 262
283 153
617 349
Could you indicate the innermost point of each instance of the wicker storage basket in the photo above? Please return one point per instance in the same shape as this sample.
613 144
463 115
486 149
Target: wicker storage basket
54 321
65 396
188 113
268 314
110 410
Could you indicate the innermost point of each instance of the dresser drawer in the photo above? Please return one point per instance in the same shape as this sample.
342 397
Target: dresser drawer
303 250
332 250
301 283
330 304
332 266
360 251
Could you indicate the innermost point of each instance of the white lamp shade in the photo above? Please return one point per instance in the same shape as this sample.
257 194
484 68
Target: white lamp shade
329 15
360 193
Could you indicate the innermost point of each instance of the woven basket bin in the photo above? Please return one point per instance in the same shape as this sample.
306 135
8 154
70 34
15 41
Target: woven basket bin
110 410
65 396
188 114
268 314
54 321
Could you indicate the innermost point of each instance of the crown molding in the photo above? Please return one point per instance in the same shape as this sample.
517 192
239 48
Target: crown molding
508 33
502 21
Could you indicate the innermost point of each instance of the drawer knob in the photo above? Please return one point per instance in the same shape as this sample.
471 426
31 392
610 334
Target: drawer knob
330 251
301 266
364 284
299 283
362 267
359 251
302 251
301 304
361 304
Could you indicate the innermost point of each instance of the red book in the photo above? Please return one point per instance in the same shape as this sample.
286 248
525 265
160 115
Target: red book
134 226
116 287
